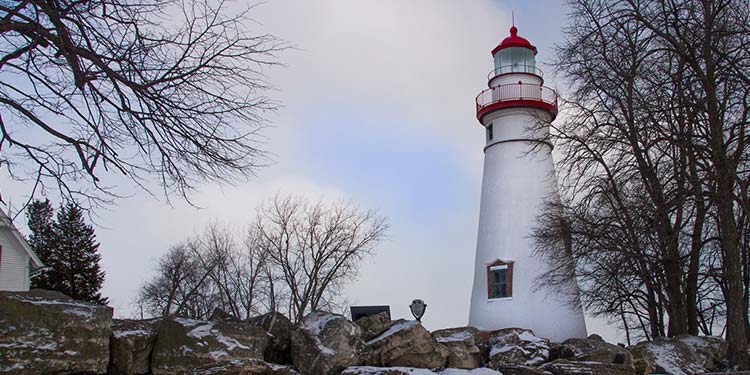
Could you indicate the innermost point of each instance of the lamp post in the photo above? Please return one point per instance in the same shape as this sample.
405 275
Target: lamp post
417 308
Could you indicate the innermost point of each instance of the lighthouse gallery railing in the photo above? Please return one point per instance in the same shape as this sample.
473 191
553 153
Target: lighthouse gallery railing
517 91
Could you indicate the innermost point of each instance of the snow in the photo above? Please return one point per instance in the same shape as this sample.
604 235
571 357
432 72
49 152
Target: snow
369 370
317 321
398 327
132 332
665 356
459 336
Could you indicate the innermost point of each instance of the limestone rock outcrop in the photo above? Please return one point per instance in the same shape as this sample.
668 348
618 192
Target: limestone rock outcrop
325 344
280 328
591 349
678 356
373 325
185 344
516 346
370 370
406 344
461 344
131 344
244 367
565 367
49 332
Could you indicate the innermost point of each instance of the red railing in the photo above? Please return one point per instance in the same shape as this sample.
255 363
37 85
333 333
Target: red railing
525 92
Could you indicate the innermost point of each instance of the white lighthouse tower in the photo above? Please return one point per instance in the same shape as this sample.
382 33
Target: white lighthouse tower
518 176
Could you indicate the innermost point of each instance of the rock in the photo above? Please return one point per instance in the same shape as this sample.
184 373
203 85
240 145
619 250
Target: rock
374 325
244 367
325 344
523 370
592 349
131 344
666 356
406 344
565 367
49 332
462 350
221 315
369 370
184 344
517 346
710 350
280 328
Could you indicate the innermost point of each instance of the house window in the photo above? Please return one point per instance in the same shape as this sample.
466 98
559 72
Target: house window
499 280
489 132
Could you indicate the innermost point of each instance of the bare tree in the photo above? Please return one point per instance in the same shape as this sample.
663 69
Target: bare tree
154 90
295 257
654 164
315 248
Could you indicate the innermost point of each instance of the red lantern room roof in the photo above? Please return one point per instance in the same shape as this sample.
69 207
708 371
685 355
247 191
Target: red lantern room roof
513 41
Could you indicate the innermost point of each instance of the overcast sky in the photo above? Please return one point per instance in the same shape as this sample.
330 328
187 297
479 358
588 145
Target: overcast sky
378 109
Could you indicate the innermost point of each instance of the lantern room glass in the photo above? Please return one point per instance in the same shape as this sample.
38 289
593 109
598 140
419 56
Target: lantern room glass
515 60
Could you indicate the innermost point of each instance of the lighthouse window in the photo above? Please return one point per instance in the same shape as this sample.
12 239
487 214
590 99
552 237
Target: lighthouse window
489 132
499 280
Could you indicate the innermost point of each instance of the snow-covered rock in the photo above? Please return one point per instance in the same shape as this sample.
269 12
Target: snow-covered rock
516 346
370 370
565 367
280 327
244 367
461 344
666 356
325 344
591 349
49 332
131 344
184 344
374 325
406 344
710 350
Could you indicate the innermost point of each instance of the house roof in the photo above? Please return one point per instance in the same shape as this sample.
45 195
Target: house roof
7 223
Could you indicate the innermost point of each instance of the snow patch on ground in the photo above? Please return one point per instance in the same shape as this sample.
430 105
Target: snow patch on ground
132 332
398 327
370 370
459 336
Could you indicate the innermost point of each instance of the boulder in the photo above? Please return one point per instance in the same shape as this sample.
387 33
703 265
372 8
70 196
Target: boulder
369 370
325 344
131 344
184 344
666 356
49 332
592 349
710 350
523 370
244 367
565 367
461 344
516 346
374 325
280 328
406 344
372 370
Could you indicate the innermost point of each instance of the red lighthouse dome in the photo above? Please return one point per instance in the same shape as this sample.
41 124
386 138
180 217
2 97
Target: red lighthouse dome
514 41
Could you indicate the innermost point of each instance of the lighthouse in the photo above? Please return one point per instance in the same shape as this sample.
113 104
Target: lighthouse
516 112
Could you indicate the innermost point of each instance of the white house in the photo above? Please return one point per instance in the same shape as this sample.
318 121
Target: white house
17 261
